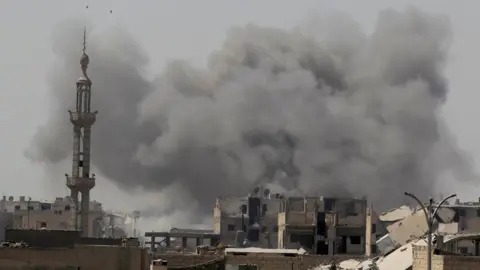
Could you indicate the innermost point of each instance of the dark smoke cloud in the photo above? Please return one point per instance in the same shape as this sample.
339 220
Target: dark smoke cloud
336 112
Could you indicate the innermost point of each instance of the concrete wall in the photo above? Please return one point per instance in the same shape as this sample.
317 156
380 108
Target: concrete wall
443 262
263 261
85 257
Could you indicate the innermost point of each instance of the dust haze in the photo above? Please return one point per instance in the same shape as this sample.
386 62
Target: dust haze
323 109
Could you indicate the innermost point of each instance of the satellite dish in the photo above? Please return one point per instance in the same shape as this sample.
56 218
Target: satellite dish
10 198
266 192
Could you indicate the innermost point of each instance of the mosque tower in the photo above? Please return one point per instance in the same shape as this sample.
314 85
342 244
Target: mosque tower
81 181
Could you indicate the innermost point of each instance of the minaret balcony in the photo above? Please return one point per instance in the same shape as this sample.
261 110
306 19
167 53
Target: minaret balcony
83 118
80 183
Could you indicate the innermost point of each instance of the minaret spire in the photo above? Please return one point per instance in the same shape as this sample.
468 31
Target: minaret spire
84 60
82 181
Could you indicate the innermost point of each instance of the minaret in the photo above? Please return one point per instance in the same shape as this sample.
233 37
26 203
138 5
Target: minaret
81 181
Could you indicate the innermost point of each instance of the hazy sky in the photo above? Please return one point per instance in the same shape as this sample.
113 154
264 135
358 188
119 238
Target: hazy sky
190 30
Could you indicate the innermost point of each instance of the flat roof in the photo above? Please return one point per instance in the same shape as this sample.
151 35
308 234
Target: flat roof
182 234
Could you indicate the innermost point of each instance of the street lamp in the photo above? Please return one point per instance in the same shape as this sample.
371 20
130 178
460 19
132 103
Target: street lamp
430 213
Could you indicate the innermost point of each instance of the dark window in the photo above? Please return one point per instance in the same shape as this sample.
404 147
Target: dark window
264 209
264 229
30 208
275 228
350 209
355 240
461 212
43 225
253 235
243 209
67 207
231 227
80 163
329 204
17 207
374 228
463 250
478 212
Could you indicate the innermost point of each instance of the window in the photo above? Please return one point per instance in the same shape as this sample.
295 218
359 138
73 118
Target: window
30 208
463 250
43 224
355 240
243 209
275 228
231 227
67 207
264 229
374 228
17 207
264 209
461 212
350 209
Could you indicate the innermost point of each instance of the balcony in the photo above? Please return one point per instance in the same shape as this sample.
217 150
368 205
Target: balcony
83 118
80 183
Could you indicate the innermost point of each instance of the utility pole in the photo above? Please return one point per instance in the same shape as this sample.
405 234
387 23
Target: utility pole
28 212
430 213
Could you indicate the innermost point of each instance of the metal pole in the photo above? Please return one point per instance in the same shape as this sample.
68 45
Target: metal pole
430 218
28 213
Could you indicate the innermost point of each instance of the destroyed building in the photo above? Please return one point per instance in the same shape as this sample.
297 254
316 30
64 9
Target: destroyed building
320 225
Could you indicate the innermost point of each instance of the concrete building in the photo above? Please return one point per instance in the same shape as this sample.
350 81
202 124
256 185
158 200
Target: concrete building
460 217
177 240
56 215
81 181
254 218
327 225
270 220
404 224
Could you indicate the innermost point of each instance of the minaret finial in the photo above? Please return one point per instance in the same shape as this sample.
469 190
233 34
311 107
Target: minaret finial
84 60
84 39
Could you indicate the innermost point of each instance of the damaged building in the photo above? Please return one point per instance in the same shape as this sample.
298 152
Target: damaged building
320 225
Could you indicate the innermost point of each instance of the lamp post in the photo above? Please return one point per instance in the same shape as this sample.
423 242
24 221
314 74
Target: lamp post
430 213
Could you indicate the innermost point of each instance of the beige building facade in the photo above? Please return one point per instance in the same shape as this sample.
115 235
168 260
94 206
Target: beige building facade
327 225
321 225
57 215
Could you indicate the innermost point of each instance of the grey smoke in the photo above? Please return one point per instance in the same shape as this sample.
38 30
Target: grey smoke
336 112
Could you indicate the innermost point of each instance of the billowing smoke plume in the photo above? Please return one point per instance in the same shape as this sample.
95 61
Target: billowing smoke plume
336 112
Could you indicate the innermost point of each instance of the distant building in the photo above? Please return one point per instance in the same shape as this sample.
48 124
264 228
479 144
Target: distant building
250 220
57 215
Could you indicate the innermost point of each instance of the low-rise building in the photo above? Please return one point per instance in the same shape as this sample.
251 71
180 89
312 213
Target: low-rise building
327 225
321 225
253 217
61 214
